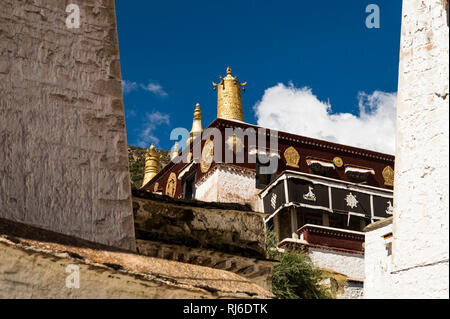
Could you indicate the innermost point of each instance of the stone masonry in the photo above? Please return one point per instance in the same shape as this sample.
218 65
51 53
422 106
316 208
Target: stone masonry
63 152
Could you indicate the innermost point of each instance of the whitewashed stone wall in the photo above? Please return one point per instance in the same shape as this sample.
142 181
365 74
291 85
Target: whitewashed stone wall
348 264
63 147
229 185
207 190
420 250
378 264
421 194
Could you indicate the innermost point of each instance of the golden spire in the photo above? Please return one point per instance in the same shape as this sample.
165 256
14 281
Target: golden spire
229 100
152 165
174 152
197 127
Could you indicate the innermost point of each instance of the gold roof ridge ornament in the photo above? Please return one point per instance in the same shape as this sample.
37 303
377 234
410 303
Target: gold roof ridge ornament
152 165
229 99
197 126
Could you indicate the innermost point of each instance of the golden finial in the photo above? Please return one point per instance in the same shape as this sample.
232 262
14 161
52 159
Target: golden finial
174 153
229 100
197 112
197 127
152 165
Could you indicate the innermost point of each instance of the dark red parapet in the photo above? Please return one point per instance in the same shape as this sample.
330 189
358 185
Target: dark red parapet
332 237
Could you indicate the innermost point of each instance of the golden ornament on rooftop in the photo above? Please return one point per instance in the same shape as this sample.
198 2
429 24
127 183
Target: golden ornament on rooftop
152 165
338 161
229 99
197 126
388 175
171 186
291 157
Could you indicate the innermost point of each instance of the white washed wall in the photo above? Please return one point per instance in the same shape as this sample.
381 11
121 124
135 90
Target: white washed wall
378 264
228 186
351 265
421 194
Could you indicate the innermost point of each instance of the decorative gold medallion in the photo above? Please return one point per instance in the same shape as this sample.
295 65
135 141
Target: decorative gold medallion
155 188
388 175
235 144
207 156
171 186
292 157
338 161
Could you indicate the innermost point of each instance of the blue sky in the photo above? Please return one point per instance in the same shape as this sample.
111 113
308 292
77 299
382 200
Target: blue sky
318 51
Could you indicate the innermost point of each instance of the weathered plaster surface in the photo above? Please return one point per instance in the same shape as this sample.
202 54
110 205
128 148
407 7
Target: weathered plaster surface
378 264
63 149
348 264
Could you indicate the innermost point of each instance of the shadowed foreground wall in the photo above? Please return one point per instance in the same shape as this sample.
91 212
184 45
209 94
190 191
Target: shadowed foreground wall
63 153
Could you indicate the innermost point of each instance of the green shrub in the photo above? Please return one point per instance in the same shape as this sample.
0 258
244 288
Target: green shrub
295 277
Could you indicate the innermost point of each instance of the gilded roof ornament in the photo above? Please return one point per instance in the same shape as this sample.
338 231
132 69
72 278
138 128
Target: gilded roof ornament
174 152
229 99
197 126
152 165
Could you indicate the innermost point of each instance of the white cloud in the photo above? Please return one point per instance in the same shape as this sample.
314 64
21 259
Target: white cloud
299 111
155 88
152 121
129 86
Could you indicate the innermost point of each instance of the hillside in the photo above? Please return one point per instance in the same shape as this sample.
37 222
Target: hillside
136 158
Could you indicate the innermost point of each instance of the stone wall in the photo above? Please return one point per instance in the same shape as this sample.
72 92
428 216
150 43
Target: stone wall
63 150
221 229
421 195
256 270
37 263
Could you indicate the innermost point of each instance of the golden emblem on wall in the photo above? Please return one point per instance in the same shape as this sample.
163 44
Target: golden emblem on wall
207 156
292 157
155 188
388 175
338 161
171 186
